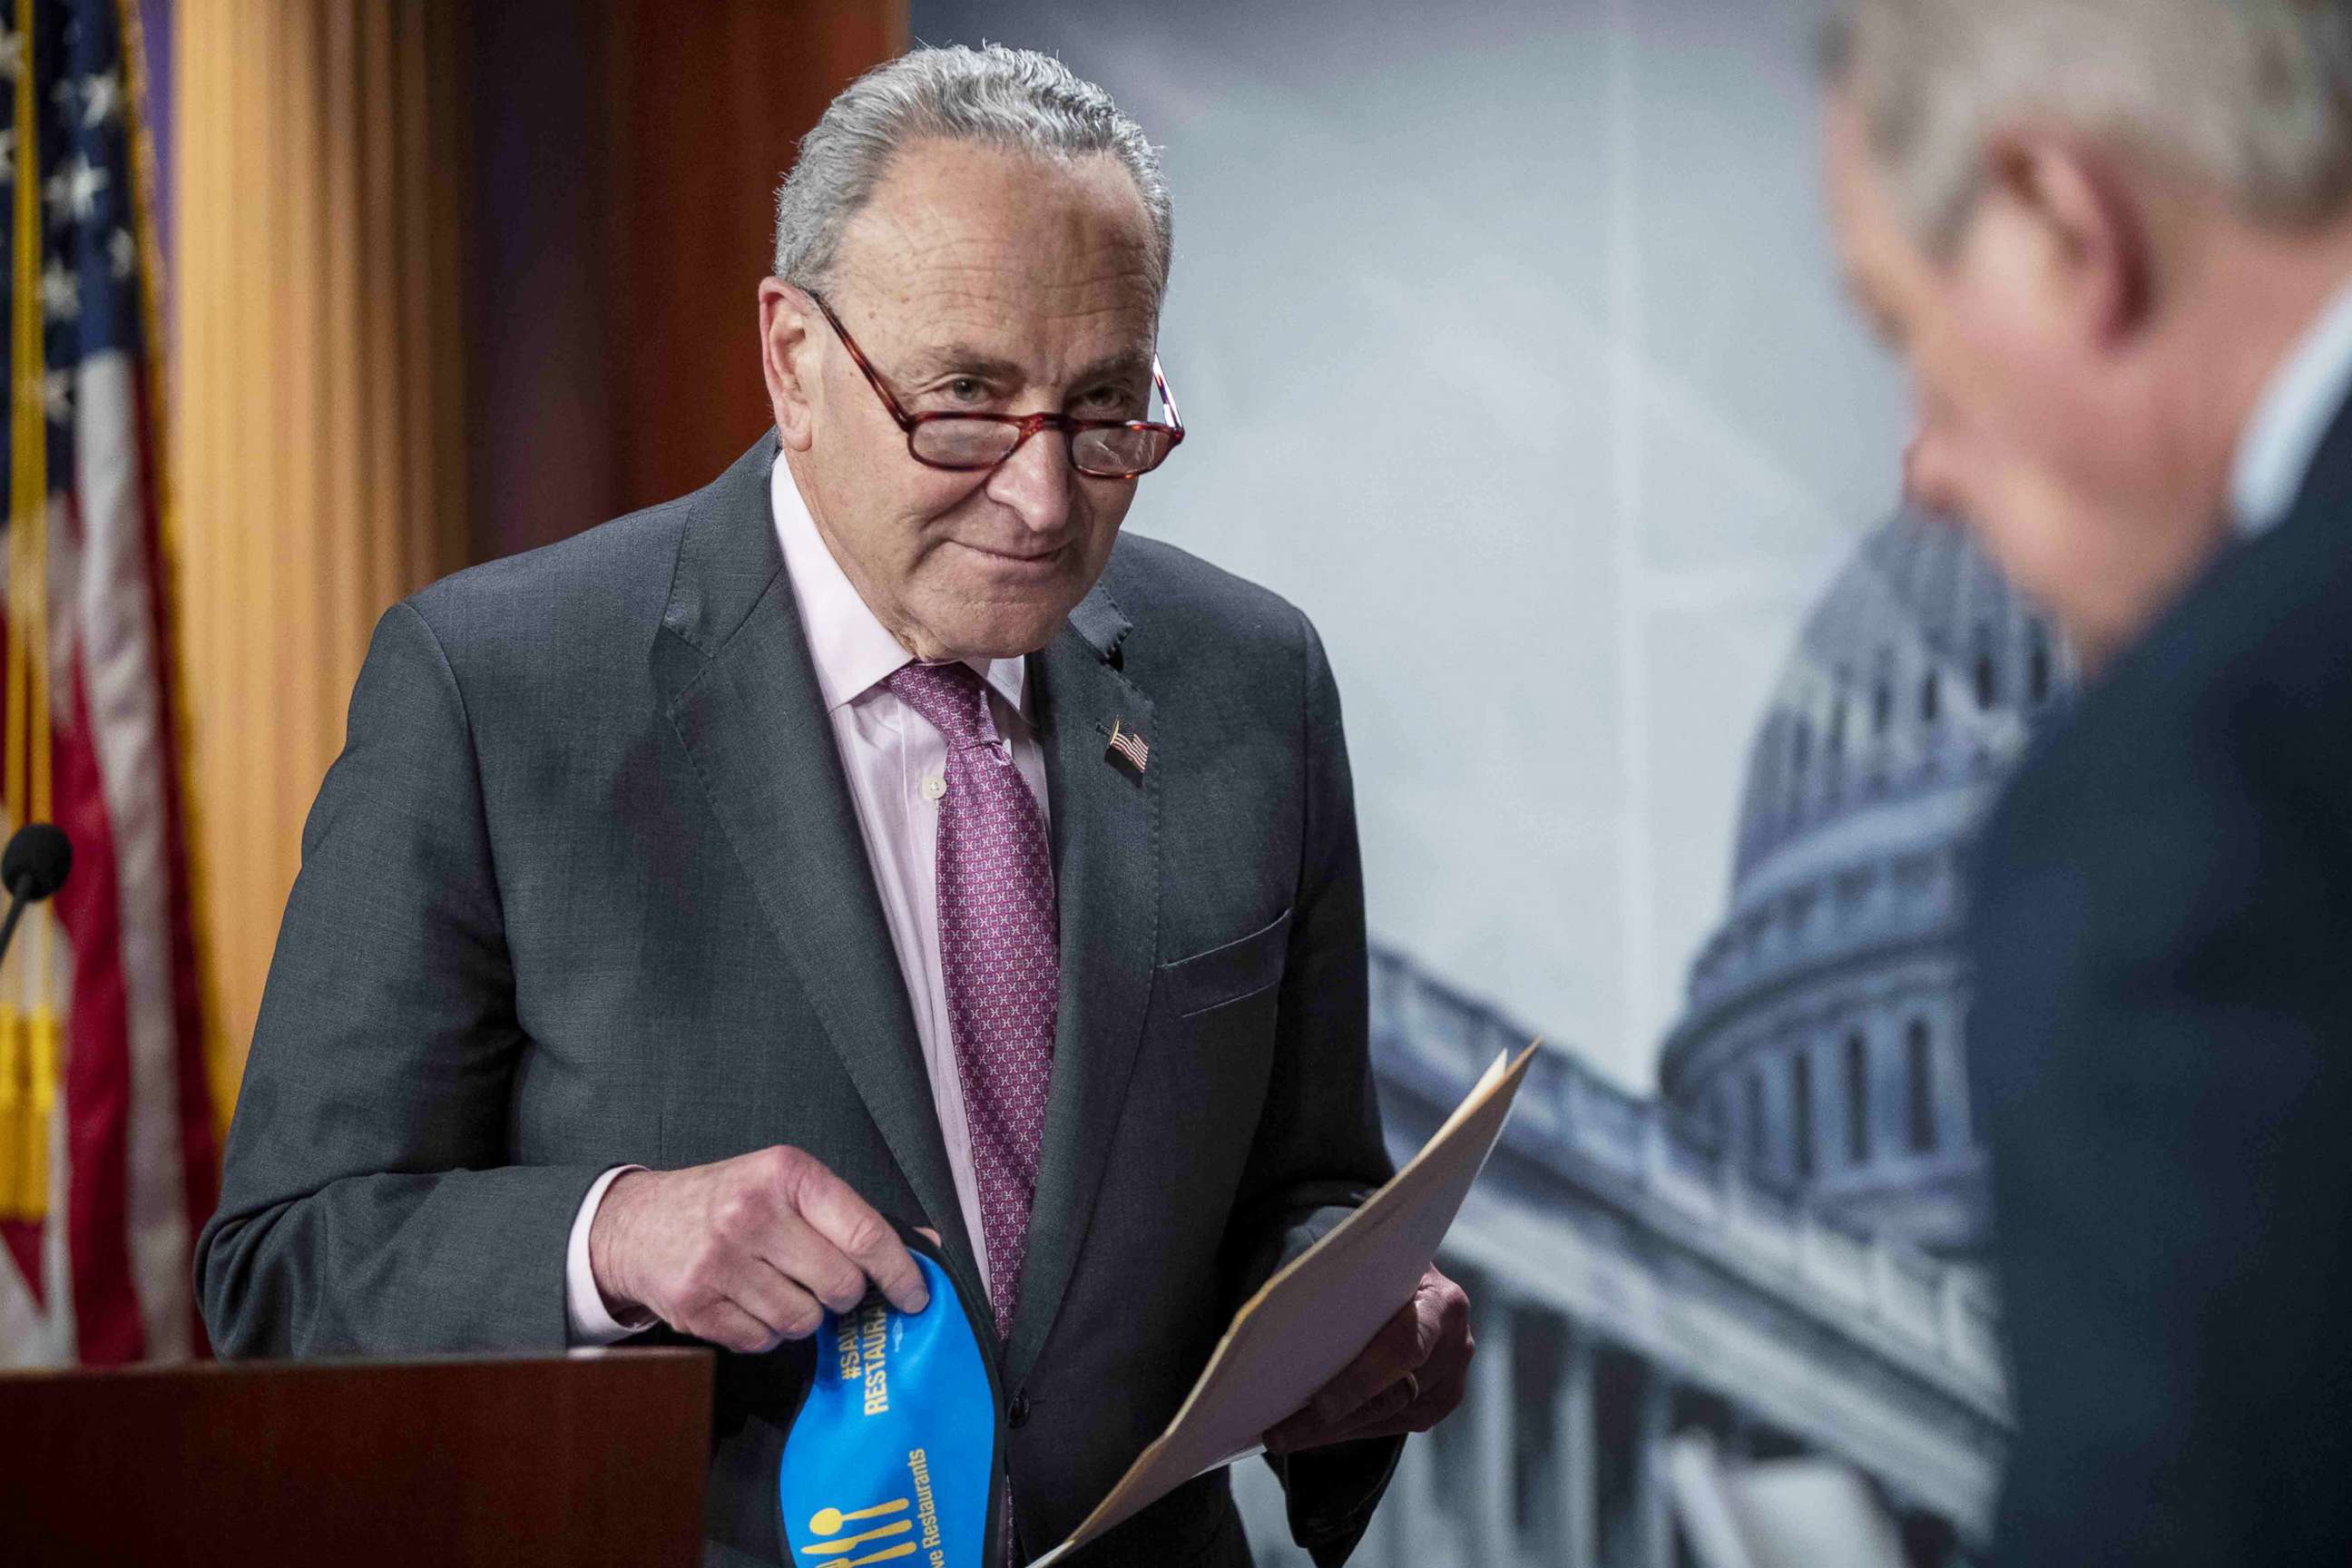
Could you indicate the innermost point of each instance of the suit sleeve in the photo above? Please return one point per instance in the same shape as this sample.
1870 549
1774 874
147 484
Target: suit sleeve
2162 1050
1319 1153
368 1205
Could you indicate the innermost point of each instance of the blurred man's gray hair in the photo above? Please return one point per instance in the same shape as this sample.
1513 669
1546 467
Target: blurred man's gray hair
2251 97
1014 99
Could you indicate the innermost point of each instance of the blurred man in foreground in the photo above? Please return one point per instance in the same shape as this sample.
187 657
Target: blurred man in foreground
873 835
2113 239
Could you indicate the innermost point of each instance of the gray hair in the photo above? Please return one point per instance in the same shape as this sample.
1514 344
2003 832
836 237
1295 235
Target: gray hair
1014 99
2253 97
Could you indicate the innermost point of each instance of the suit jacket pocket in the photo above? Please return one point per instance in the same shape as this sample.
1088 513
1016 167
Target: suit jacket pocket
1239 969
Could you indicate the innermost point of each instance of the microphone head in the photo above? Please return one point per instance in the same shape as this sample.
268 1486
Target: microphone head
36 862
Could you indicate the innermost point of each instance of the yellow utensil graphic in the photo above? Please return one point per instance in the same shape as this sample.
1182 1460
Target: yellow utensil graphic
828 1519
849 1543
903 1549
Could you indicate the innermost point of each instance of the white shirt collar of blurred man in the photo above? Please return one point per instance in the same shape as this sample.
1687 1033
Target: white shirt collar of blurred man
2297 408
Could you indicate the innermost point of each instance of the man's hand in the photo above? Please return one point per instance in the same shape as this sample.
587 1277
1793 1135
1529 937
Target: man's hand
1407 1380
747 1252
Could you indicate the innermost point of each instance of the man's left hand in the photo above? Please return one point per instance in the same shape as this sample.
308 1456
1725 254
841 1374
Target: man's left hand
1407 1380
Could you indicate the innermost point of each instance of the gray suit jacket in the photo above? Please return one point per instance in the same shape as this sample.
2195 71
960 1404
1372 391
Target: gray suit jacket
585 887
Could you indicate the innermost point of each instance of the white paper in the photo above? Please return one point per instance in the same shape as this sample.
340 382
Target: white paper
1317 1313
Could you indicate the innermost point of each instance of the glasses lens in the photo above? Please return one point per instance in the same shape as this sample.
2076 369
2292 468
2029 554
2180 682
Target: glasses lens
1119 452
959 443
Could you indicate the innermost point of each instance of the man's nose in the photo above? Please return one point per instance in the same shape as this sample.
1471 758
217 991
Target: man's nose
1036 480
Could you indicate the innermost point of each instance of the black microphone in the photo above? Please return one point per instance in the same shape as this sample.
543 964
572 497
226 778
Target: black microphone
34 865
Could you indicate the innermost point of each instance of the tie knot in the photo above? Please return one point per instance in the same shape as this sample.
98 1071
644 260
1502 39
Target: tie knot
951 697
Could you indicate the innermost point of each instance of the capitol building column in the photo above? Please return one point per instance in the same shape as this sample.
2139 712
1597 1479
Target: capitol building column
1493 1522
1574 1453
1653 1516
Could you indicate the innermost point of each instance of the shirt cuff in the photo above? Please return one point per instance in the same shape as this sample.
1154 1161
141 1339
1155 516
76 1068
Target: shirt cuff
584 1305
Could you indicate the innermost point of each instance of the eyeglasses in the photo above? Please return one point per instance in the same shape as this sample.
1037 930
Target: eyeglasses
1102 448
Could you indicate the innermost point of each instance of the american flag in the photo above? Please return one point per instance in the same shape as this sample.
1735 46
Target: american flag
107 1161
1129 746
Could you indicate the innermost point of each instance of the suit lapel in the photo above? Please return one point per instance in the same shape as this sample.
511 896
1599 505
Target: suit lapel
751 716
1106 880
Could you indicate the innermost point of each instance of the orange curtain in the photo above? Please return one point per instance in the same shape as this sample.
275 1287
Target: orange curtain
318 397
422 317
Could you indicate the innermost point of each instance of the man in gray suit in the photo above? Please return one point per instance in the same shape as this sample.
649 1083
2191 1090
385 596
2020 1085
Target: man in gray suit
873 835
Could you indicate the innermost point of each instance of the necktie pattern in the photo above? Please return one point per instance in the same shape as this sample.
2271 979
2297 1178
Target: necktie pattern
998 950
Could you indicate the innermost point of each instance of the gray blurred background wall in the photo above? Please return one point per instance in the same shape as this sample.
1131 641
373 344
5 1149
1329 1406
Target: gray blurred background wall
1513 353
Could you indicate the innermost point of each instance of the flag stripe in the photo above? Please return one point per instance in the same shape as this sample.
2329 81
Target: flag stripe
199 1153
108 1325
116 639
198 1138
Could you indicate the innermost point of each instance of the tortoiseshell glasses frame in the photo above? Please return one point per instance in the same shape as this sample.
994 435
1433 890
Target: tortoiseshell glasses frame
964 443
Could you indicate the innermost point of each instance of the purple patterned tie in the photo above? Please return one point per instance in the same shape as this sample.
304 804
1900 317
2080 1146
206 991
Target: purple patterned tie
998 947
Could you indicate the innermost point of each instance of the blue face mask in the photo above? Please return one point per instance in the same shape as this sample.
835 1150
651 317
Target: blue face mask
896 1456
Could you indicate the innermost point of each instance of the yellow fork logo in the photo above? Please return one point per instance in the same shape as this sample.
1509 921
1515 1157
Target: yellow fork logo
835 1553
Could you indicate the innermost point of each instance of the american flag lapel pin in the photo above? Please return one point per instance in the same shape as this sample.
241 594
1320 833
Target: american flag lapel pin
1126 750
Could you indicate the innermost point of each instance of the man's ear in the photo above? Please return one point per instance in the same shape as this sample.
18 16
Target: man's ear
2081 228
788 358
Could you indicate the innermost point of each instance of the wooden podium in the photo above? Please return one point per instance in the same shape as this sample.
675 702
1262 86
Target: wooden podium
590 1458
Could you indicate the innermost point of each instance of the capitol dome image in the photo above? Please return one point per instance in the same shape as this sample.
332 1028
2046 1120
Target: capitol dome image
1782 1249
1823 1036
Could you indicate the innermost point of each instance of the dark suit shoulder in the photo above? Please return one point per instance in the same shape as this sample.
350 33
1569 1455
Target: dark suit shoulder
2202 787
554 650
617 572
1174 597
2243 688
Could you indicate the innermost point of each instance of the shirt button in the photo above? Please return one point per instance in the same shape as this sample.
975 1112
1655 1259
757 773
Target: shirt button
935 786
1016 1411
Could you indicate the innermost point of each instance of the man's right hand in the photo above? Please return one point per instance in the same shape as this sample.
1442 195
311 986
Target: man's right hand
746 1253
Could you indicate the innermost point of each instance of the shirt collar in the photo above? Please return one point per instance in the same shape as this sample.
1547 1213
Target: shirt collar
851 648
2291 418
